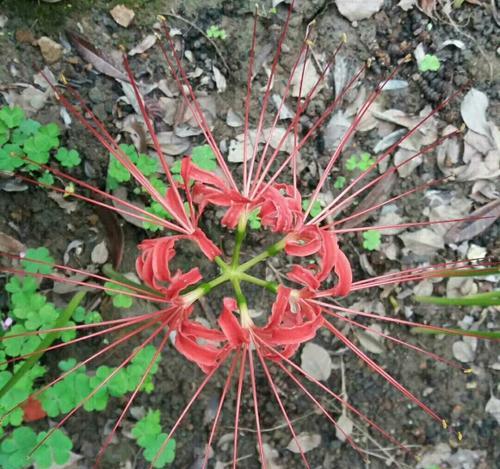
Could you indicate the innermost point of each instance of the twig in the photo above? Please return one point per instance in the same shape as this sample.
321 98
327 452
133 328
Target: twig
193 25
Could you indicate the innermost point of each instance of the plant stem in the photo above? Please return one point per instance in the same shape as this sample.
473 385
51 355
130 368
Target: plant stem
245 319
269 252
480 299
271 286
240 236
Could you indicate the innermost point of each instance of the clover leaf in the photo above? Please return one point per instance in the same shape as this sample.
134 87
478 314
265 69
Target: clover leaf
56 450
167 454
315 209
371 240
68 158
43 257
15 450
11 117
204 157
147 427
11 157
429 62
339 182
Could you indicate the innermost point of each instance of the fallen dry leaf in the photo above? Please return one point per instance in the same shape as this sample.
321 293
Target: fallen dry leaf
122 15
306 440
473 110
304 78
316 361
371 341
468 229
344 427
99 254
102 62
148 42
493 408
423 242
11 245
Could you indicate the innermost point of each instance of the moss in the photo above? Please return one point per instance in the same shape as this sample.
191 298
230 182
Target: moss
49 18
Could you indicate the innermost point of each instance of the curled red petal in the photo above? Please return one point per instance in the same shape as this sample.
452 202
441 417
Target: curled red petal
230 326
205 244
304 277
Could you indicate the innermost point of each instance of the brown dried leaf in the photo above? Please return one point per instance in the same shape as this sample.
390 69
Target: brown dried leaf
468 229
98 59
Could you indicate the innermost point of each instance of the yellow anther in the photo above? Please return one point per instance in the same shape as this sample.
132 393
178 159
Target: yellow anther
468 371
444 423
161 18
310 43
69 190
343 38
63 79
460 436
407 58
121 47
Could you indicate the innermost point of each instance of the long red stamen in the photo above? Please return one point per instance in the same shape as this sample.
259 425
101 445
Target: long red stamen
238 404
130 401
282 407
197 393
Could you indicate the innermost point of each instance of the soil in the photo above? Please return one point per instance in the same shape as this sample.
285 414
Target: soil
388 36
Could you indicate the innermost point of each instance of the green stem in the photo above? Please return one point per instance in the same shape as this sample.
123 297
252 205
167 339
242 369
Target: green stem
492 335
271 286
481 299
245 319
240 236
113 275
269 252
62 320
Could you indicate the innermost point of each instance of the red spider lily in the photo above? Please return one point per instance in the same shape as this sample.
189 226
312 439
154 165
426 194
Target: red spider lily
297 313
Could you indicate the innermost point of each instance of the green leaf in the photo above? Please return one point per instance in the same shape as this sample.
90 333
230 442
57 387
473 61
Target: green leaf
55 451
254 219
4 133
146 428
39 254
371 240
46 179
168 452
117 171
16 448
315 209
20 345
365 161
352 163
12 117
429 63
147 165
203 157
11 157
339 182
216 32
68 158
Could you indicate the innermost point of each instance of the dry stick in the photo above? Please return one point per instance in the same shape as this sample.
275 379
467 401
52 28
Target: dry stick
194 106
384 155
105 445
188 406
270 80
219 409
186 222
256 409
247 105
282 407
398 341
99 387
109 143
238 404
334 395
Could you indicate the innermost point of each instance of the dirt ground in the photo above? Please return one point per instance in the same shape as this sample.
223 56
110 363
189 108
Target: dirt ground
385 38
